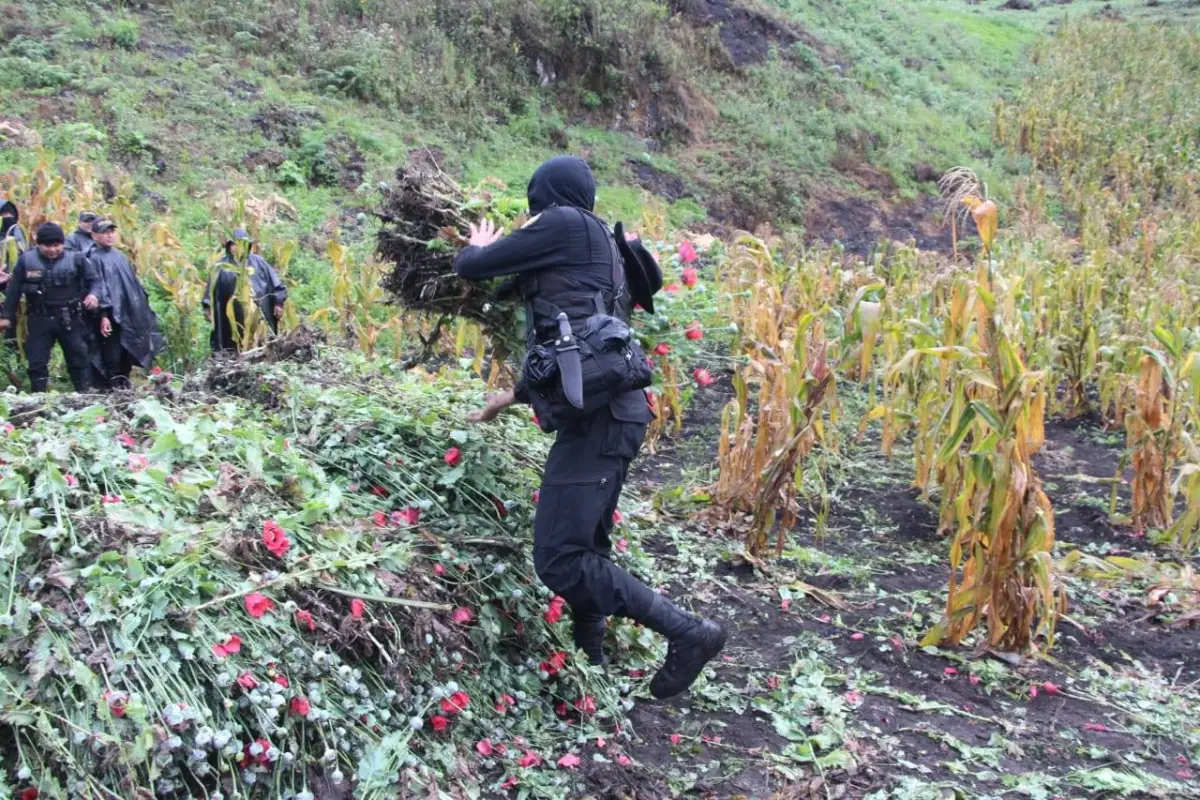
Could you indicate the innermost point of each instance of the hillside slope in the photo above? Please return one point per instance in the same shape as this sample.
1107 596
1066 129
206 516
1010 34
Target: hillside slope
829 116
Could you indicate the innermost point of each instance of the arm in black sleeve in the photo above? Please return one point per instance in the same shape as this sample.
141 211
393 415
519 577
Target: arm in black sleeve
536 246
93 284
16 285
521 391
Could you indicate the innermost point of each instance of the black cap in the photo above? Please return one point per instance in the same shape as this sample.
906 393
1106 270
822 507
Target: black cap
88 216
642 274
50 233
100 226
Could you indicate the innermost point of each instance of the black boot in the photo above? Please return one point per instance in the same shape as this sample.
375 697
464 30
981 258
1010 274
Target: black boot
692 643
588 633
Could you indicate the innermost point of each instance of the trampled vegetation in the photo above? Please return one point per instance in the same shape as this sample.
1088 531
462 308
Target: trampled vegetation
948 500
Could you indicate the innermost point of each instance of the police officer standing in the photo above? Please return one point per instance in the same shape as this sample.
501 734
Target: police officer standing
12 240
81 240
266 288
566 260
128 327
57 286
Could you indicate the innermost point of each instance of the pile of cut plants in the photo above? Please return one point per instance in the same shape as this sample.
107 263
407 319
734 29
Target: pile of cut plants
285 581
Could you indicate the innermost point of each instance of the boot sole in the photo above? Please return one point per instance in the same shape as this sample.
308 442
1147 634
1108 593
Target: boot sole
717 646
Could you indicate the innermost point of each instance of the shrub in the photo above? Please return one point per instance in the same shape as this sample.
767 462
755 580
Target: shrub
124 33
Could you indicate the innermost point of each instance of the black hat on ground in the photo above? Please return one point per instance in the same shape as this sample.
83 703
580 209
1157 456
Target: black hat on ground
88 216
104 225
50 233
642 274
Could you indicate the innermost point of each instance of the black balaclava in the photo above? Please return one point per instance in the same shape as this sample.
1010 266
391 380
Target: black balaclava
9 216
562 181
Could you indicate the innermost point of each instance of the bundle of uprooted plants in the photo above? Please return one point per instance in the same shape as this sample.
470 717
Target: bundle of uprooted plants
328 600
425 216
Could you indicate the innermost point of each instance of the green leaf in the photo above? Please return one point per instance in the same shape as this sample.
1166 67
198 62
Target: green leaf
951 445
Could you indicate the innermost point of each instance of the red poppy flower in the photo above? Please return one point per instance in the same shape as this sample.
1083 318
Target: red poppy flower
537 495
702 377
690 277
785 604
950 672
858 637
673 287
439 570
70 479
501 508
552 665
156 370
126 440
247 681
694 331
773 683
116 702
505 702
8 428
1051 688
555 612
138 462
305 620
258 604
452 456
439 723
407 516
586 705
569 761
380 519
380 491
455 703
283 681
622 545
274 539
230 647
510 783
110 499
357 608
485 748
687 252
624 760
662 349
974 679
1095 727
29 794
529 760
618 518
299 707
461 615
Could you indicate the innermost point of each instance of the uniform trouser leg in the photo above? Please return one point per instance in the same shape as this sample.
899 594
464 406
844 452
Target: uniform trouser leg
40 338
74 343
580 490
116 361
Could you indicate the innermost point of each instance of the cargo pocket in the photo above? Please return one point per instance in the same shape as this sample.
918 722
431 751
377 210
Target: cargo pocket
569 509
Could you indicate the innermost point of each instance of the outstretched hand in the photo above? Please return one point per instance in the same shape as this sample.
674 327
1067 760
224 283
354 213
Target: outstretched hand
495 404
484 233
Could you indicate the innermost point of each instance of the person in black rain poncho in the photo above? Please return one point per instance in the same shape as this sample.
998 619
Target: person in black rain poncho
81 240
12 239
57 286
128 327
265 285
565 255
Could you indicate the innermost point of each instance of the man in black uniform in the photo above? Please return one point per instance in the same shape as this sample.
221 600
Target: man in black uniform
565 256
128 326
81 240
266 287
57 286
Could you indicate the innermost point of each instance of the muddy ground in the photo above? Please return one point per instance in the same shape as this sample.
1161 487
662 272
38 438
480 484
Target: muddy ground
1107 702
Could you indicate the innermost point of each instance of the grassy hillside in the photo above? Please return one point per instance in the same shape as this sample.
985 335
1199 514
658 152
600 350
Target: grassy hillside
817 115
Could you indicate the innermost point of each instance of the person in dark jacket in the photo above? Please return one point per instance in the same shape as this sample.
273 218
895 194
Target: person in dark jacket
12 239
57 286
266 287
81 240
128 328
565 255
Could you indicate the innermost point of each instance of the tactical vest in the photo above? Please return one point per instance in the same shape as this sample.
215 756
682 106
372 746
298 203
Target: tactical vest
612 361
548 292
55 284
